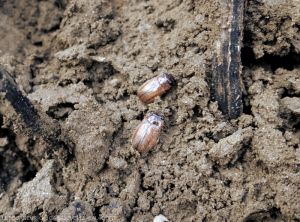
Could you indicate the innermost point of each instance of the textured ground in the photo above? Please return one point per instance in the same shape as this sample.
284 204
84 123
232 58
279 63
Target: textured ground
81 64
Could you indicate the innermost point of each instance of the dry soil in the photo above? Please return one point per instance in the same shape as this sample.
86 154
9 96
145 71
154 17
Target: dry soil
81 62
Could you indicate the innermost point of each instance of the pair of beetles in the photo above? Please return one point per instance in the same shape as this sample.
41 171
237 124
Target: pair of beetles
146 135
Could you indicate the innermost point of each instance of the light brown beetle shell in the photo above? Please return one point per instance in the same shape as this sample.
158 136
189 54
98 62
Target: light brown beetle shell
154 87
146 135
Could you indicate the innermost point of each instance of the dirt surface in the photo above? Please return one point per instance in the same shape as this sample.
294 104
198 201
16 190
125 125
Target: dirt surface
81 62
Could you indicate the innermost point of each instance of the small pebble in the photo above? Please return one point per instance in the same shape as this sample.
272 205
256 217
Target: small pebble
3 141
160 218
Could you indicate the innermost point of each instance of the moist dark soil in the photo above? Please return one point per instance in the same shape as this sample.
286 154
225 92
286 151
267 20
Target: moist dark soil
81 62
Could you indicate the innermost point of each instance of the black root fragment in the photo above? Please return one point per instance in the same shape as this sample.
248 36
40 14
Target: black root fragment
226 82
16 106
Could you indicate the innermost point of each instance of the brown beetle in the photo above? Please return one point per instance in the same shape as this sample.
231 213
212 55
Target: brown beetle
154 87
146 135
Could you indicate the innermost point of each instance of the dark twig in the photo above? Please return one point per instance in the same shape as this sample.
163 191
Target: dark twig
14 103
227 84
